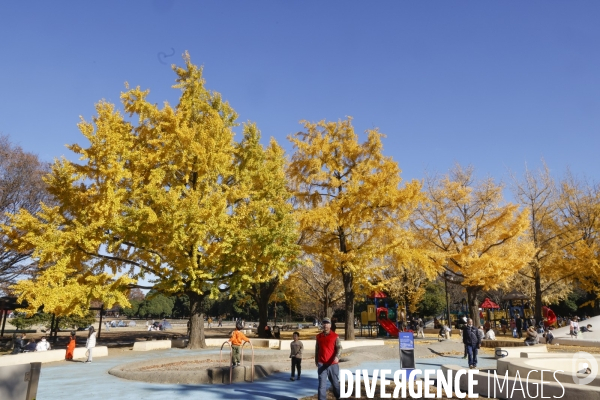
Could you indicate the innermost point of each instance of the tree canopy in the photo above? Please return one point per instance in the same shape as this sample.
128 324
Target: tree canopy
349 196
162 194
470 233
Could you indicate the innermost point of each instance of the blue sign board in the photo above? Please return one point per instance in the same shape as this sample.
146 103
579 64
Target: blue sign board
407 341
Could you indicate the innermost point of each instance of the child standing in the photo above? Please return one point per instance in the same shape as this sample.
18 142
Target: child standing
71 347
237 338
296 348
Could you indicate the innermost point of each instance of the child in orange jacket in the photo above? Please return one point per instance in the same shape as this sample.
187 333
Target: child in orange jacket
237 339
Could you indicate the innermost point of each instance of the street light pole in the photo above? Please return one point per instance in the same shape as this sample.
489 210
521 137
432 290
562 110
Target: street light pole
449 322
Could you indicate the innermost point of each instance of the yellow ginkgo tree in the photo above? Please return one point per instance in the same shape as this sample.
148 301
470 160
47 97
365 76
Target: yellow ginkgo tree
469 232
160 194
349 196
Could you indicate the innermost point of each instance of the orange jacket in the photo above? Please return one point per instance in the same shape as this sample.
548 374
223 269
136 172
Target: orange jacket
237 338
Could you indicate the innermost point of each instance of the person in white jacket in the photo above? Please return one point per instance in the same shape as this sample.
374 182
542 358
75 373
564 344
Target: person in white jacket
42 345
90 343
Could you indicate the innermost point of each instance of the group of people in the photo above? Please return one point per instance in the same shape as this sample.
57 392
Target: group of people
23 345
209 321
328 350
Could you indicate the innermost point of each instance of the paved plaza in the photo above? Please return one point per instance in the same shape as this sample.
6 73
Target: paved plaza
92 381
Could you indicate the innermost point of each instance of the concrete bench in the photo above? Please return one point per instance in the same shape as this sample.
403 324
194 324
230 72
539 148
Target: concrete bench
515 352
266 343
50 356
152 345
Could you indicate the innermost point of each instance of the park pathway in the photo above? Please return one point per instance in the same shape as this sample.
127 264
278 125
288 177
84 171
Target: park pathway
92 382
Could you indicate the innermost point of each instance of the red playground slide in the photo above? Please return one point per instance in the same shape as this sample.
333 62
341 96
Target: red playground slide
389 326
550 317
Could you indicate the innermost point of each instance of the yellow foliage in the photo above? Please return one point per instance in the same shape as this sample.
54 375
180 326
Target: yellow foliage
163 194
468 231
349 196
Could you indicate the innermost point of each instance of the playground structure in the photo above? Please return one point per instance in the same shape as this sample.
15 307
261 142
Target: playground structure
382 318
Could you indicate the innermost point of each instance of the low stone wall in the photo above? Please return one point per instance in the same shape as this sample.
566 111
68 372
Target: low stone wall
50 356
515 352
502 343
562 369
198 371
433 331
152 345
573 342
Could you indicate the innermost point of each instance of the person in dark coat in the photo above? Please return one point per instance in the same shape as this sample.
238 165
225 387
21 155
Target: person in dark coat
18 344
472 341
519 326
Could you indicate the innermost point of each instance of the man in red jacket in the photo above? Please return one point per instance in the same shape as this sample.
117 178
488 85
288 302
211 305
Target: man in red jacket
327 356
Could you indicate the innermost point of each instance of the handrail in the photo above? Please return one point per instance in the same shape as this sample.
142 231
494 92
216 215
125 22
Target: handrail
230 358
252 362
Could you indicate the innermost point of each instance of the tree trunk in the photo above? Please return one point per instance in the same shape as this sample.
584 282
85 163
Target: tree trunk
263 316
262 293
196 321
348 279
538 297
473 304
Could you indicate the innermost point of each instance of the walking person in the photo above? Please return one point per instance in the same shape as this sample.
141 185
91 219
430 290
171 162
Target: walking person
70 347
519 326
574 327
220 322
296 348
327 357
472 341
420 326
90 343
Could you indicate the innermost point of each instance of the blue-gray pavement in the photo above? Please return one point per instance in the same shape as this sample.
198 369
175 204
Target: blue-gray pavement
92 381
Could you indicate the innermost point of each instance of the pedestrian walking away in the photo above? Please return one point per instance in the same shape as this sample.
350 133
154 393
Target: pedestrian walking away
328 350
296 348
90 343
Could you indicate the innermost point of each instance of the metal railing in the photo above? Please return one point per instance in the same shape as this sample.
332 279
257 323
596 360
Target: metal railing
241 359
230 358
252 362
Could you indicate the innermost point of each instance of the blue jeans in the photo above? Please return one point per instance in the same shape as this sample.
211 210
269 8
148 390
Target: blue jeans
331 373
472 353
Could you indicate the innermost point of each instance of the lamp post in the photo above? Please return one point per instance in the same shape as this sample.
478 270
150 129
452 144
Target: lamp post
448 321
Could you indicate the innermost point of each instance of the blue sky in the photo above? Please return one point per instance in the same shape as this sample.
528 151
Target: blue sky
492 84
